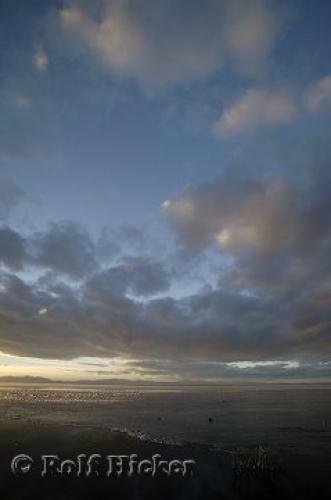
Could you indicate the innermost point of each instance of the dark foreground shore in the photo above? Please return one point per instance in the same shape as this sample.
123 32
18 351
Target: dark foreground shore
213 476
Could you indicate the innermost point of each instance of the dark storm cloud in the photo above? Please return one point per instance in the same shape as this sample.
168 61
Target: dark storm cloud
104 321
67 248
220 325
270 303
135 275
64 248
99 320
23 331
146 277
12 249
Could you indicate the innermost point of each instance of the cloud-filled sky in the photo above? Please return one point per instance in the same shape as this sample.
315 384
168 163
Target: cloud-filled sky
165 189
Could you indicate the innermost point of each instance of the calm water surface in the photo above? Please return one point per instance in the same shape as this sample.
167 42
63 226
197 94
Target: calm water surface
296 417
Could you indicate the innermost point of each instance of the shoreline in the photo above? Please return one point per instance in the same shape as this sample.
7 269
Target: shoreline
214 476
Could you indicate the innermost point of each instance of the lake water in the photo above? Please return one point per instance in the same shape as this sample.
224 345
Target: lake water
296 418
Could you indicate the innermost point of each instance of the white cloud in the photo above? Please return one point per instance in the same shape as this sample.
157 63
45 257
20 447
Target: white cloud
242 365
40 59
318 96
255 109
250 32
161 43
22 100
137 43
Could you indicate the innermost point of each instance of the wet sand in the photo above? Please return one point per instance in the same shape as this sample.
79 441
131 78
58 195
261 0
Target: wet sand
295 476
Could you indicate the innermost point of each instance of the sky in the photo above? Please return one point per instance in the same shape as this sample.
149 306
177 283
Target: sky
165 190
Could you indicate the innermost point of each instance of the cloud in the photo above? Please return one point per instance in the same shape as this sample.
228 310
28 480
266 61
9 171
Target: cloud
22 100
255 110
251 30
127 239
166 42
137 276
236 213
270 302
23 331
67 248
318 95
12 249
40 59
146 277
63 248
11 197
216 371
147 42
274 236
98 320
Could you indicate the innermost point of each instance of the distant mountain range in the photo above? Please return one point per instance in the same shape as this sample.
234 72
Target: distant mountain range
111 381
25 379
42 380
